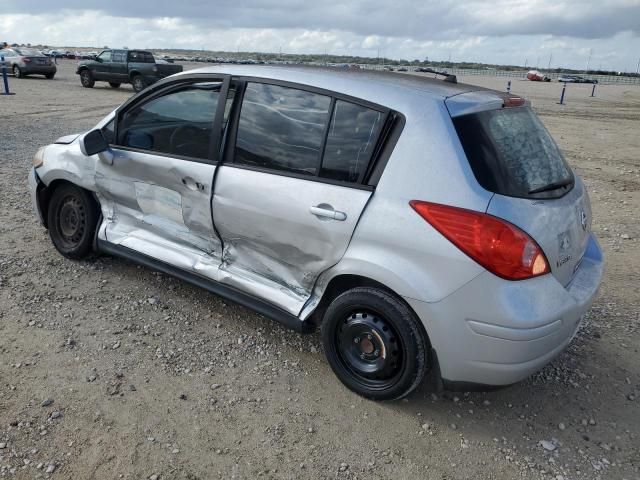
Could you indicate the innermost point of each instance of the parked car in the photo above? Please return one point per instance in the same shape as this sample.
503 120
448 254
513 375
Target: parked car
566 78
136 67
536 76
402 69
27 61
429 228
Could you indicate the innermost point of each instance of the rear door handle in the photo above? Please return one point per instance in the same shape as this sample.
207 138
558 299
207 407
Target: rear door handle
326 211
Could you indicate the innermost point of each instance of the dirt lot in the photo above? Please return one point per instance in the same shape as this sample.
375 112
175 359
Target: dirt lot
108 370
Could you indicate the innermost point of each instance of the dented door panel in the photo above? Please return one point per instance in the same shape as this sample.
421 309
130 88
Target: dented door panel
160 206
274 246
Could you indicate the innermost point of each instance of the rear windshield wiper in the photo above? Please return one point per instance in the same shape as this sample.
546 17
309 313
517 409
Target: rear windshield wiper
553 186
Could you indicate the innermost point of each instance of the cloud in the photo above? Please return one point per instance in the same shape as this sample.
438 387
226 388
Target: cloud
499 31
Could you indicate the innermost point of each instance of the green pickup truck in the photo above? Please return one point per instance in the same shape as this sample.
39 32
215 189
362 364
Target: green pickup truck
136 67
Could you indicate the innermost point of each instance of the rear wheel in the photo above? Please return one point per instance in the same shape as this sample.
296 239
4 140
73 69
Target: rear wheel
17 72
86 79
72 219
137 82
374 343
114 84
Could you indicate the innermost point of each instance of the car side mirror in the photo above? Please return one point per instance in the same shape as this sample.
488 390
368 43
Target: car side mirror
93 142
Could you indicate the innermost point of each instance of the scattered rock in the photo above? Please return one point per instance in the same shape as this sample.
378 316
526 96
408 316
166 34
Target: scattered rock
47 402
547 445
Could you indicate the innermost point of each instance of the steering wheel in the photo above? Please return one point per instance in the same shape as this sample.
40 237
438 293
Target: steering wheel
186 136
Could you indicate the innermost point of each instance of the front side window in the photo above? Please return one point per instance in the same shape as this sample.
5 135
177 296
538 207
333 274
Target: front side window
178 123
105 56
353 133
281 128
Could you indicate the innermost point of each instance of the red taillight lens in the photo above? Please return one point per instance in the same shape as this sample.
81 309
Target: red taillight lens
25 59
497 245
513 101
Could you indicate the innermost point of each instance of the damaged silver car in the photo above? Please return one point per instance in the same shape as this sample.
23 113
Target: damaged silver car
429 228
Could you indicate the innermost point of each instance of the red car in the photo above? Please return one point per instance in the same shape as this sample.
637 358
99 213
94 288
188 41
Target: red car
536 76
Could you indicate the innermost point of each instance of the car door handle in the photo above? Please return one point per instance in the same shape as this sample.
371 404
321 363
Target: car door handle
327 211
191 184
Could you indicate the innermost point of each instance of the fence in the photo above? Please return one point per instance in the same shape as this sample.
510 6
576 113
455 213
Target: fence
462 72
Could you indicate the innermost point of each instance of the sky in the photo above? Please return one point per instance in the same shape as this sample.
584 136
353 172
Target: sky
561 33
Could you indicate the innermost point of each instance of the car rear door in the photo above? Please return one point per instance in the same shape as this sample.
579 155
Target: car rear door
291 190
156 194
118 68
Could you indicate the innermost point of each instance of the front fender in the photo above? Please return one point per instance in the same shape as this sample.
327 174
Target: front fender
66 162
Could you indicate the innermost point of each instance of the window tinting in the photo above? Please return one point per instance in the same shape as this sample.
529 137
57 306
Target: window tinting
179 123
119 57
141 57
353 133
281 128
511 153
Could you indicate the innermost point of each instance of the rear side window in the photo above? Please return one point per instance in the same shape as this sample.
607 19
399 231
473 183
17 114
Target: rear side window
119 57
511 153
281 128
352 137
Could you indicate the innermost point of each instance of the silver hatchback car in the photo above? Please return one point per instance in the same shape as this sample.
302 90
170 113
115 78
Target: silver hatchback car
428 227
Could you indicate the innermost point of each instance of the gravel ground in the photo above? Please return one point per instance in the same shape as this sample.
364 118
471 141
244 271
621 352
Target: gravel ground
109 370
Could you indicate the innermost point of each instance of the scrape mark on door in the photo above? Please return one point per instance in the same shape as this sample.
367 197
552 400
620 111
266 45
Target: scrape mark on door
156 200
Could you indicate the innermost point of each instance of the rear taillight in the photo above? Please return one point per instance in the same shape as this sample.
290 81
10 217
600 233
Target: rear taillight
513 101
497 245
25 59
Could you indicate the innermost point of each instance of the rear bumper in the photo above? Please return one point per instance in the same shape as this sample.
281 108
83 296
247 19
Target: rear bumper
496 332
29 69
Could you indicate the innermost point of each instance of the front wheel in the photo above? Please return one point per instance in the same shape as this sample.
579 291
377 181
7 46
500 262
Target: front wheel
49 76
86 79
17 72
72 219
114 85
375 344
138 83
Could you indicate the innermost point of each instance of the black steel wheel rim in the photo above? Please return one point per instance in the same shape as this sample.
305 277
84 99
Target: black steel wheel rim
72 221
85 77
137 82
370 349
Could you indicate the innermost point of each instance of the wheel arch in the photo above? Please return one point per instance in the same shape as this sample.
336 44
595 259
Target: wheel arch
45 192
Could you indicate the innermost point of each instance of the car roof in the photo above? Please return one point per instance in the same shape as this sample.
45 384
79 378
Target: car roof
355 82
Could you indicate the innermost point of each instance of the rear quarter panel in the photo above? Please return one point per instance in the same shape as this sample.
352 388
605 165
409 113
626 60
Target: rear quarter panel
392 244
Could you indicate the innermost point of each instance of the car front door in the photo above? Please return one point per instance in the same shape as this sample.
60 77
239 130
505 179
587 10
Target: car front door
156 193
102 67
290 192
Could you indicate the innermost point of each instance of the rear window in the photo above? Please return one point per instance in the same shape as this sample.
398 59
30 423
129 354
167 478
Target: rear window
511 153
141 57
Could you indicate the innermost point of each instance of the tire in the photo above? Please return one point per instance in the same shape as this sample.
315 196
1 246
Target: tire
72 219
86 79
17 72
137 82
49 76
375 344
114 85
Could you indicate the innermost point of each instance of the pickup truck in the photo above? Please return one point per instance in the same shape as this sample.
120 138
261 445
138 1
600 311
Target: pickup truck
137 67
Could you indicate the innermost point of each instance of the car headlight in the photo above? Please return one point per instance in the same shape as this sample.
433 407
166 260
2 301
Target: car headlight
38 158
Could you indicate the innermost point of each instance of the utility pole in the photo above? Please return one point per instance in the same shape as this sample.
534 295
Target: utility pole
549 65
638 67
589 59
526 61
537 62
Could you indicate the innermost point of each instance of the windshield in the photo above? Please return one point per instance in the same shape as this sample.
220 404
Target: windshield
511 153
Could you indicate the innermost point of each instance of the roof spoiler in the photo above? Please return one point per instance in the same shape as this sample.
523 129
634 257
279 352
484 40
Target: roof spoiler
448 77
